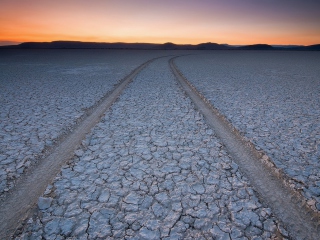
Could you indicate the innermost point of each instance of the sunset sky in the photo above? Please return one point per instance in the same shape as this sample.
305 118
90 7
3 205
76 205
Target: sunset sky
237 22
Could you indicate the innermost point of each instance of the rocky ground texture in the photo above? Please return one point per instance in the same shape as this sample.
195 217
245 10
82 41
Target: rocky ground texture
151 169
273 99
45 92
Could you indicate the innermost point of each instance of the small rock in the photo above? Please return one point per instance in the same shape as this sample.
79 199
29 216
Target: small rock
44 203
199 188
145 233
133 198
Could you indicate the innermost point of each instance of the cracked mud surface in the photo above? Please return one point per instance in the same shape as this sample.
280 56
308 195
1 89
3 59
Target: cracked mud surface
151 169
43 95
273 99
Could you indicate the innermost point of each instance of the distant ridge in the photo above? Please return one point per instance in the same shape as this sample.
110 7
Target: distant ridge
259 47
315 47
213 46
98 45
153 46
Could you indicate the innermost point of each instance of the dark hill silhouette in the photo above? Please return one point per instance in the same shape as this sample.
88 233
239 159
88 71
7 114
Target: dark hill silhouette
315 47
213 46
258 47
171 46
83 45
153 46
168 46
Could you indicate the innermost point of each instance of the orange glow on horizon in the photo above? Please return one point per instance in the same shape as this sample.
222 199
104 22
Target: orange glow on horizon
150 21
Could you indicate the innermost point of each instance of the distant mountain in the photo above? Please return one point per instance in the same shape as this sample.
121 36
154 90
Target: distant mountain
258 47
172 46
97 45
202 46
213 46
81 45
287 46
315 47
154 46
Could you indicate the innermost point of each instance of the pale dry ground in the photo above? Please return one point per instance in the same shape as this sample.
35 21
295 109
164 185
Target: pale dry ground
44 93
151 169
154 92
289 206
273 98
20 203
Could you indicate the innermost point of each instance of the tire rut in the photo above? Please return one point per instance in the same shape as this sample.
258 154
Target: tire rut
151 169
301 221
21 200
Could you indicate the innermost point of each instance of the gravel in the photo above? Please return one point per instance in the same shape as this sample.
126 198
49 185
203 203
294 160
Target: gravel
43 93
152 169
273 99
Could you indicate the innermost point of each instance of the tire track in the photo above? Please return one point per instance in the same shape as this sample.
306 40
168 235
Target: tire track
289 207
18 203
152 169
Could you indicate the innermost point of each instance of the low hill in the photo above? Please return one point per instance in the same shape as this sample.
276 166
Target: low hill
258 47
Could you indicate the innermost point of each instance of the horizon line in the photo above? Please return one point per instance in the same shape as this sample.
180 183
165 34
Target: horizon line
13 43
